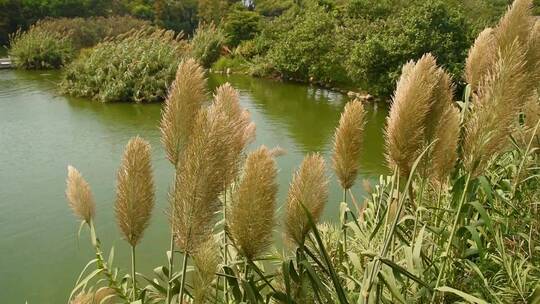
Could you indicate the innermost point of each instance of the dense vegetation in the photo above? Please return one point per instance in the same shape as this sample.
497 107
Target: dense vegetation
456 221
356 44
137 66
52 43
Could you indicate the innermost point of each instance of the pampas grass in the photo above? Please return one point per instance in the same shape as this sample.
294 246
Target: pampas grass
134 191
411 104
79 196
347 143
514 25
309 190
496 106
251 216
481 57
444 153
186 96
206 262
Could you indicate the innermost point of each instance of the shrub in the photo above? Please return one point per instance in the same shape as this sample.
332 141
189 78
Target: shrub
206 44
428 27
241 24
39 48
236 64
137 66
307 50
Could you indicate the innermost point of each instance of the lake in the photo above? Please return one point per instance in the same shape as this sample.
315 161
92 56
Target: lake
42 132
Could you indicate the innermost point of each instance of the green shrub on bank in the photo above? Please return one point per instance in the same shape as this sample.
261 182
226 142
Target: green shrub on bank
206 44
233 64
138 66
40 48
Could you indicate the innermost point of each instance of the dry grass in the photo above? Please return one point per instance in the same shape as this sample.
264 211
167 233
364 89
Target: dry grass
186 96
514 25
79 196
348 142
496 106
251 217
200 178
309 190
444 153
481 57
134 191
206 262
410 107
226 101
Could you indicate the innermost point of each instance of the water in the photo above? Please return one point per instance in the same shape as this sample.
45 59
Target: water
42 132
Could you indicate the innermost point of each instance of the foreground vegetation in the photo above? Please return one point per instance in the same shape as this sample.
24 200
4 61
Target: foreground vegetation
457 221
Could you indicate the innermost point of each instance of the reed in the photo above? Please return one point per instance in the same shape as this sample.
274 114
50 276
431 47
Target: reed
309 190
444 153
134 196
481 57
186 97
348 144
79 196
206 261
496 106
411 104
254 198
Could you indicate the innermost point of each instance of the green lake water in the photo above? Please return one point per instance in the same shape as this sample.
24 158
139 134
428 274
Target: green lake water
41 132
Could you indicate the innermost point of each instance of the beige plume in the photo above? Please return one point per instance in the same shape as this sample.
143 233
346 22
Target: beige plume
79 196
481 57
206 262
186 96
251 216
308 189
496 105
514 25
444 152
134 190
410 106
348 143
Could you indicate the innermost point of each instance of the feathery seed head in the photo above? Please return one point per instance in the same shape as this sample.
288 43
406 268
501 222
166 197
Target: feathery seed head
226 101
497 103
514 25
206 263
134 191
348 142
186 96
444 152
251 217
481 57
533 55
79 196
309 190
411 104
200 178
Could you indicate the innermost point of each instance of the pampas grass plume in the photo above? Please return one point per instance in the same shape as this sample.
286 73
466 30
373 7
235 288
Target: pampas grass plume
134 191
79 196
308 189
481 57
206 261
348 142
444 153
186 96
251 217
410 106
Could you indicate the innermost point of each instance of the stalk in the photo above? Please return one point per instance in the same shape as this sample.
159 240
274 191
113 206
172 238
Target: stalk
344 222
452 233
171 264
183 282
522 163
134 296
225 244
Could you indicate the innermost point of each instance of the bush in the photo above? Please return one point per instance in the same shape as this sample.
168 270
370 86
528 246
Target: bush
137 66
430 27
241 24
235 64
206 44
307 50
39 48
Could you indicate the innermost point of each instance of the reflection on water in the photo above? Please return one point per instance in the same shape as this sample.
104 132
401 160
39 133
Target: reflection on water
42 132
